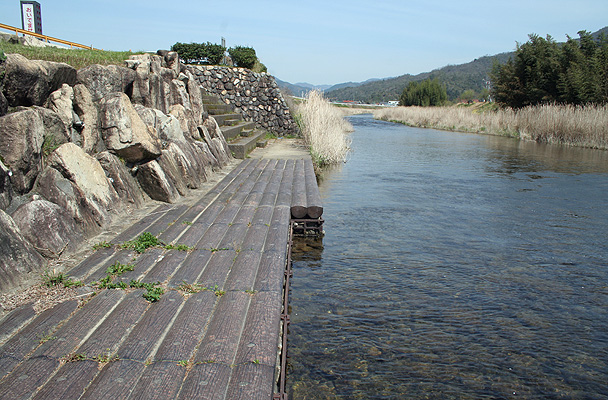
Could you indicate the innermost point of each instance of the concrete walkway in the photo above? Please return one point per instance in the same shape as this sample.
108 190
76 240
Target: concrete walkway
213 334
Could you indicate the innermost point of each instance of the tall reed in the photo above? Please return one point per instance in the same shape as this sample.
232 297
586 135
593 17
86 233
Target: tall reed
324 129
585 126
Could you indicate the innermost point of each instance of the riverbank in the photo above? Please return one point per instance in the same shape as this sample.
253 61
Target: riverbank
570 125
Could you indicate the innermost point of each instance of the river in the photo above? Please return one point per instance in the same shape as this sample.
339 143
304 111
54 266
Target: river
454 266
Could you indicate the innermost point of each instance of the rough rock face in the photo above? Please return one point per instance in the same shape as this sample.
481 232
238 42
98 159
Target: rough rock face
30 82
3 104
61 102
123 182
156 183
48 227
77 182
167 127
256 96
23 258
88 113
123 131
6 189
24 138
101 80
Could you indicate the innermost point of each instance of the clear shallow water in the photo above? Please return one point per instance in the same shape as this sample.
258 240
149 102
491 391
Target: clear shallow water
454 266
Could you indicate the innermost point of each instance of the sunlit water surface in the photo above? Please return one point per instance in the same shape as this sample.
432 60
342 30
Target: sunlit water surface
454 266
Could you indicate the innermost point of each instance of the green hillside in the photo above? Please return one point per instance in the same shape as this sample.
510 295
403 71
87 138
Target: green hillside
456 78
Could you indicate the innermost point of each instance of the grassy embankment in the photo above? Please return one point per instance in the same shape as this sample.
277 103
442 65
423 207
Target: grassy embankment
574 126
77 58
324 129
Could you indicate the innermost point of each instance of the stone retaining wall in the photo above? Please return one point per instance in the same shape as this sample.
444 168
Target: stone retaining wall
256 96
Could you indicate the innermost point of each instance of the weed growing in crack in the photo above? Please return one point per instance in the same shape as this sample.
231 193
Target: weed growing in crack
52 278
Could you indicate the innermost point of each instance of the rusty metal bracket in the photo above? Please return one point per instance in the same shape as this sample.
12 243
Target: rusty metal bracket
307 227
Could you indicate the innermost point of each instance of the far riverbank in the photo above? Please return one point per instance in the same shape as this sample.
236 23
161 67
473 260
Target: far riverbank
564 124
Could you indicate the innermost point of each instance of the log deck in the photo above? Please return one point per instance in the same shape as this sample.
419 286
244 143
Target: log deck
220 342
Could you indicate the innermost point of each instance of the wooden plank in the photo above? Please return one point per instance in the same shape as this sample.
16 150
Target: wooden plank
217 269
194 233
191 268
143 265
271 274
23 382
255 238
74 331
108 336
140 226
263 215
188 328
28 338
260 187
206 382
182 224
165 268
166 220
244 271
15 320
298 191
160 380
123 256
251 382
144 337
245 215
241 194
237 182
260 340
285 188
212 237
233 239
115 381
222 337
70 381
91 263
272 189
277 237
314 207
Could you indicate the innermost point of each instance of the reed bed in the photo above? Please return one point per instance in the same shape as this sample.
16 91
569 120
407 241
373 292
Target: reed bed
584 126
324 129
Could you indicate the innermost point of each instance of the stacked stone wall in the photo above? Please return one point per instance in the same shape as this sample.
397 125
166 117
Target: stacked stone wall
256 96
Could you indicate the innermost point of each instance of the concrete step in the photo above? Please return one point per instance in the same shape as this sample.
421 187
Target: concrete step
216 109
231 132
243 146
220 118
211 99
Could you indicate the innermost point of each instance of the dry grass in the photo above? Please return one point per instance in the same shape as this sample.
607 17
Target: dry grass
324 129
571 125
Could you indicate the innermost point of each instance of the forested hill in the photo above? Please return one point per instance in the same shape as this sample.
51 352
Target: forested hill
456 78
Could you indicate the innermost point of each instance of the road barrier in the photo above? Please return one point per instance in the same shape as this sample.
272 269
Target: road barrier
46 38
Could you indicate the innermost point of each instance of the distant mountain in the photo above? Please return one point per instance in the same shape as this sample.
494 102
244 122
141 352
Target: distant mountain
456 78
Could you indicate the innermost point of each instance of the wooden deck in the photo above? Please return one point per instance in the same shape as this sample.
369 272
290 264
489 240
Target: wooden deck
221 342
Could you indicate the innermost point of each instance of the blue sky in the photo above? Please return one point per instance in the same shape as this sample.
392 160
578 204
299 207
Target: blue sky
321 42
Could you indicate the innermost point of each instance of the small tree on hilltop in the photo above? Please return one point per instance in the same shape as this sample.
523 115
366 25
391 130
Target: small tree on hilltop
243 57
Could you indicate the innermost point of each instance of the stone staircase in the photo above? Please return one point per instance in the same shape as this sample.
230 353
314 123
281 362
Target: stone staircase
242 136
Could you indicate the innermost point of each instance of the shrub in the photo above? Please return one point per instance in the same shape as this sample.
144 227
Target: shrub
324 129
243 57
200 53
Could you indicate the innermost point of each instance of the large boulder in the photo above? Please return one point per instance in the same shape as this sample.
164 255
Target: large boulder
101 80
123 131
17 256
26 136
123 182
6 189
48 227
61 102
88 114
30 82
156 183
167 127
76 181
3 104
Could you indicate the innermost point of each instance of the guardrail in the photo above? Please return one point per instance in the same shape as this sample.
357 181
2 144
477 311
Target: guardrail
48 39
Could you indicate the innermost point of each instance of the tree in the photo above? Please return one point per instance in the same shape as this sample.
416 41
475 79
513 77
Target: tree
544 71
425 93
243 57
200 53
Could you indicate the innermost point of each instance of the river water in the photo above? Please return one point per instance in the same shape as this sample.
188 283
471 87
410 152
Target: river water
454 266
